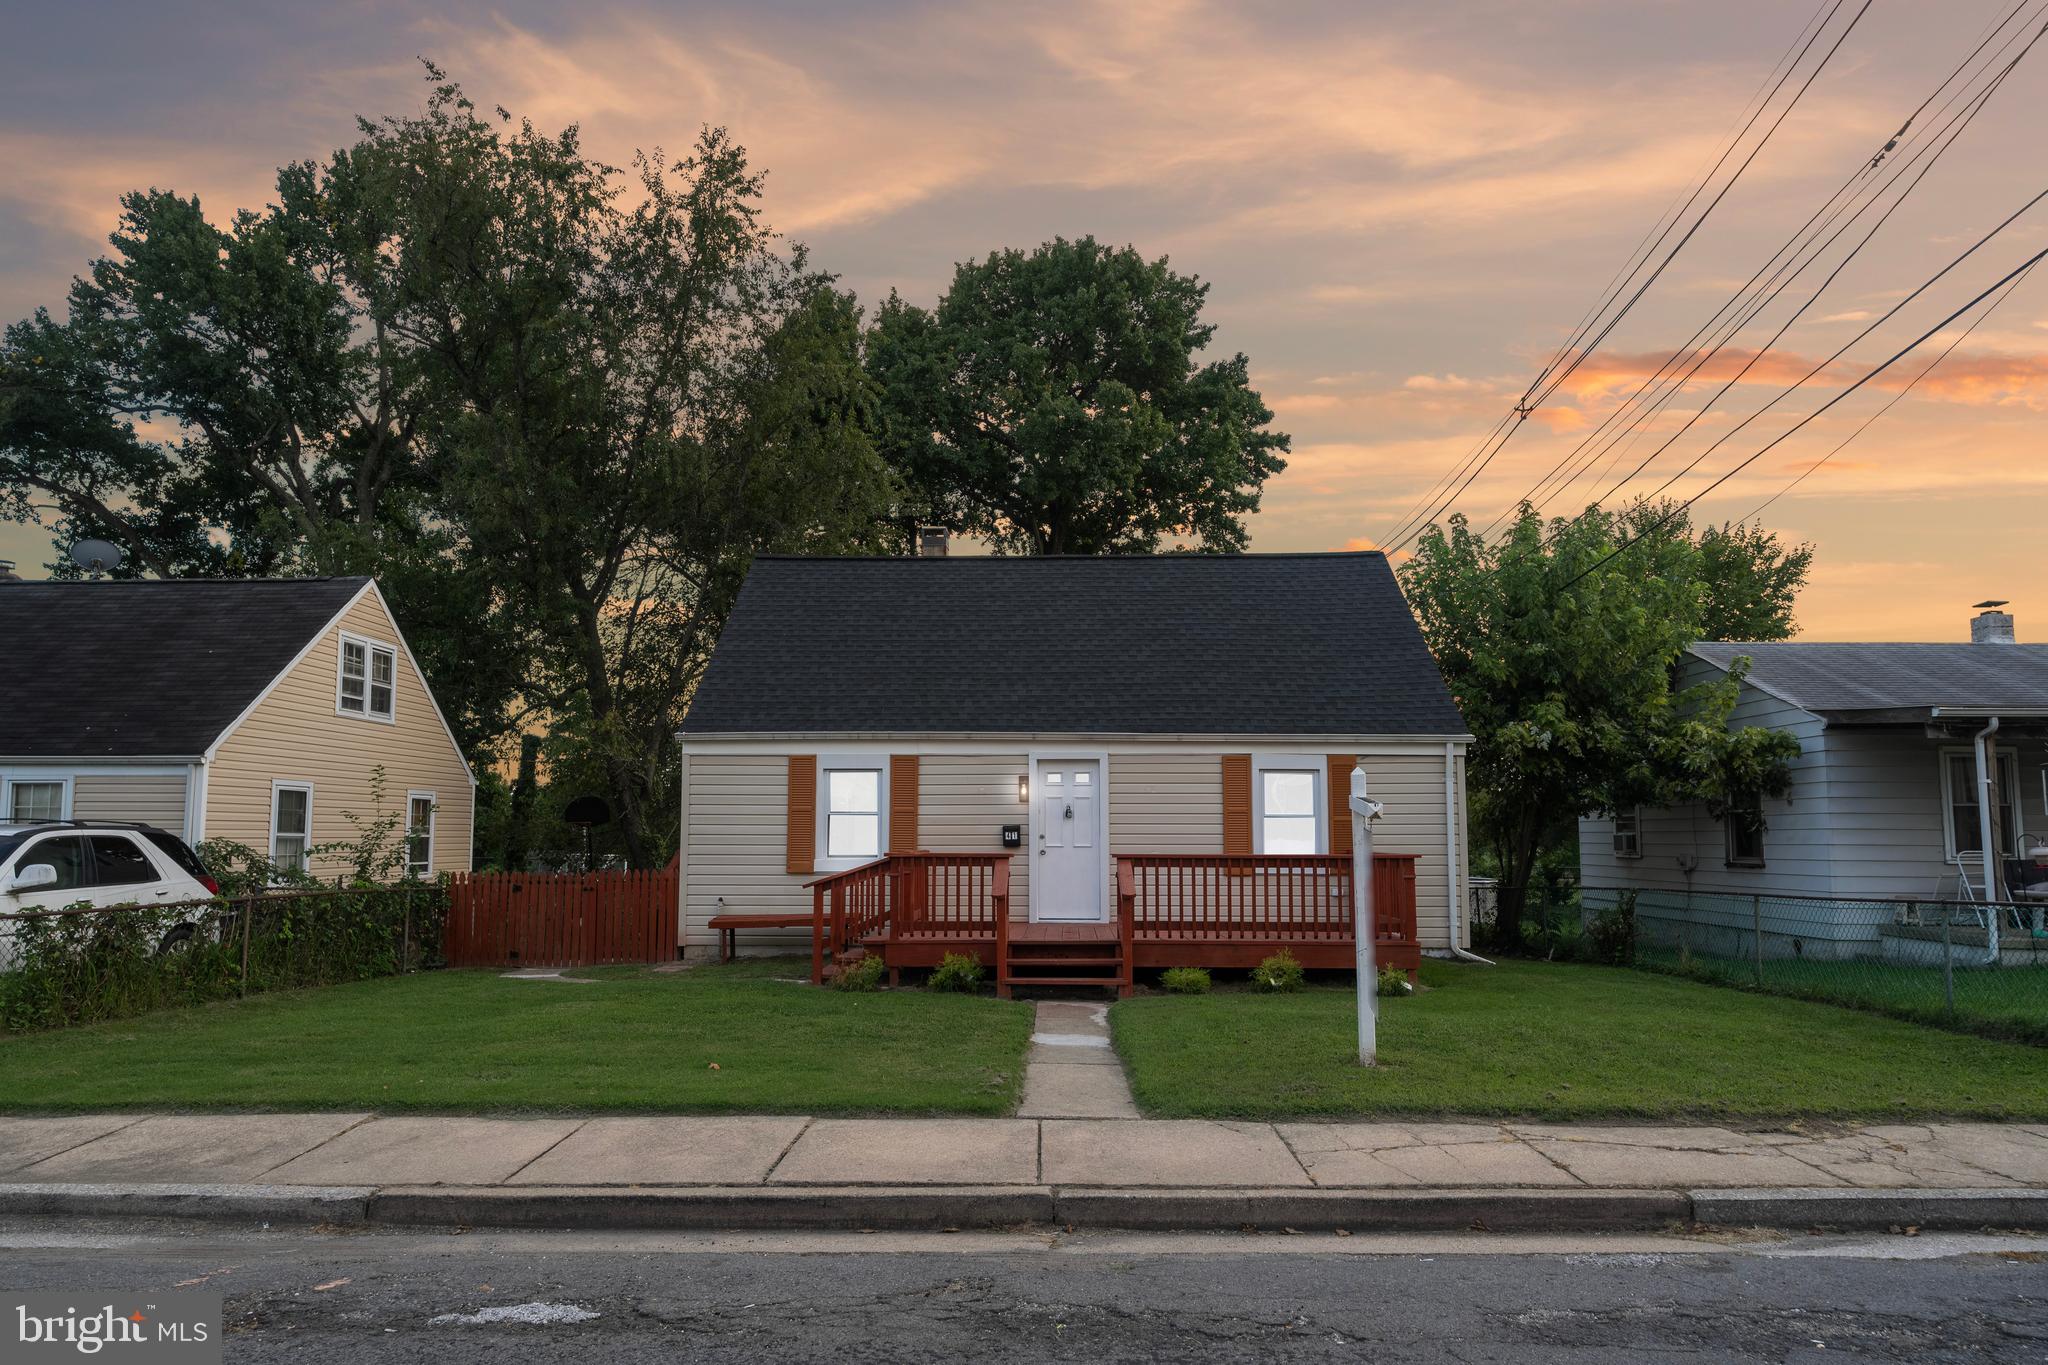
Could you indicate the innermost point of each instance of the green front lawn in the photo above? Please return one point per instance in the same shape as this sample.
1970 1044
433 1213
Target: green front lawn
630 1041
1557 1041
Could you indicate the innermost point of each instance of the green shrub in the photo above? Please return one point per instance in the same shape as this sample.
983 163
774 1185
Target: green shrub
114 963
1280 972
956 972
1184 981
1610 936
1394 982
865 974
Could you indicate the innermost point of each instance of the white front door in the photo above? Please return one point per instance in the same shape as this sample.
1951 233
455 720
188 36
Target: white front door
1068 873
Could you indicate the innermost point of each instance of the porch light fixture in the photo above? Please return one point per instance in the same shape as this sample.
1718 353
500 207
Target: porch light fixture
1023 786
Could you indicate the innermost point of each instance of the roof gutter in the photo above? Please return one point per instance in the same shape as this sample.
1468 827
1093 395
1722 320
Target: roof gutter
1453 870
1990 847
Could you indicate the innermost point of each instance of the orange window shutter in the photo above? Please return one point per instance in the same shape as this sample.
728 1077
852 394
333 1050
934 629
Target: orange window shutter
802 854
1237 805
1340 803
903 803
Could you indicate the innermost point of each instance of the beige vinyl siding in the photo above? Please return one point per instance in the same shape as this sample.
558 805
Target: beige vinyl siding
152 798
1160 801
738 804
964 800
1411 788
296 735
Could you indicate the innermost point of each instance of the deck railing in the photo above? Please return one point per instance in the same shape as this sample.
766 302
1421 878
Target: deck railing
939 894
1197 897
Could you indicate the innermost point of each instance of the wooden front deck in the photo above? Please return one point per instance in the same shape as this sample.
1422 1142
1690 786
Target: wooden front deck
1172 910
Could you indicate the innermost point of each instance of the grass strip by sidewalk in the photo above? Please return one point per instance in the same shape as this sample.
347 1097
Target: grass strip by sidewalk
628 1041
1562 1041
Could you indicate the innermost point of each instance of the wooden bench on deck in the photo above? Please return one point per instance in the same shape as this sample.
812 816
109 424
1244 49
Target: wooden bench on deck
729 926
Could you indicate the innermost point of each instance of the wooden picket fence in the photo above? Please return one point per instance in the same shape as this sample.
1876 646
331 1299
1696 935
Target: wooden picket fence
560 919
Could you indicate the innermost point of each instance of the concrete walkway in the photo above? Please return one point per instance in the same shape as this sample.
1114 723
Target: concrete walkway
1072 1072
1066 1152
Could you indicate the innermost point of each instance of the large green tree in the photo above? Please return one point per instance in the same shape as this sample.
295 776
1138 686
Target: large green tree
1053 403
557 408
1564 658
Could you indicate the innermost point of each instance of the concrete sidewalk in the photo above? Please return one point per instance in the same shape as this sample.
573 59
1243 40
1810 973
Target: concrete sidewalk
363 1150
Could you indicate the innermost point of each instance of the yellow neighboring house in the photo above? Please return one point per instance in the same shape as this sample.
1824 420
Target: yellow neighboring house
255 710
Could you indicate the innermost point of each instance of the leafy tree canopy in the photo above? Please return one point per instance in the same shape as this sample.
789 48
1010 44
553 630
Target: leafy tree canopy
1052 404
1568 674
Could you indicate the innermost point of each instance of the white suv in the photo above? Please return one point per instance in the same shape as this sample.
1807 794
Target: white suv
50 866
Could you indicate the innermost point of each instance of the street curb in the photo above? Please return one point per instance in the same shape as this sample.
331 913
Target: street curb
1376 1210
747 1207
341 1204
1871 1210
960 1207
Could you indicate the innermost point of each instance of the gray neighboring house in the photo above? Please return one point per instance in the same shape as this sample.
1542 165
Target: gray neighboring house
1885 801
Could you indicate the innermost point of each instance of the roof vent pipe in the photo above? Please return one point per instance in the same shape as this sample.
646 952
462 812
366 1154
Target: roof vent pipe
1990 626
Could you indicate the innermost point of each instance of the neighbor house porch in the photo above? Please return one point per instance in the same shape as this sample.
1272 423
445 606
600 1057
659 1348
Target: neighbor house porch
1171 910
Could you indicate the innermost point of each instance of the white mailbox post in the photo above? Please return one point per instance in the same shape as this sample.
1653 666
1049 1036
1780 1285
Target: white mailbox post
1364 810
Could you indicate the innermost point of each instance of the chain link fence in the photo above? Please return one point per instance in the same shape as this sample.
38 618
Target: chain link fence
87 963
1973 966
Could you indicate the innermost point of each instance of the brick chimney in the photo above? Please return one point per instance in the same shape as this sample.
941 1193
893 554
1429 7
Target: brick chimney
931 542
1990 626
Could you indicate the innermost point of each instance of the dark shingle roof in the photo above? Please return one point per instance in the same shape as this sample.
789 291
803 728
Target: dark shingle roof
1172 644
148 667
1866 680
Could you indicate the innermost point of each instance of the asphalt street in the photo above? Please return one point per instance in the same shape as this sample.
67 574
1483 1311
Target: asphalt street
375 1296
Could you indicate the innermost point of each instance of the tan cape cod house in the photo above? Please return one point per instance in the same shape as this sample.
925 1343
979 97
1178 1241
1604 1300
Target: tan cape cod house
247 709
1073 767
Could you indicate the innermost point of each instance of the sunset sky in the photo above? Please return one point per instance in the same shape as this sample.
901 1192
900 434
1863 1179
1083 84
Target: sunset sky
1402 207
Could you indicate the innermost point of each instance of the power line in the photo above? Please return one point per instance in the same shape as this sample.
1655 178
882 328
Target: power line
1959 126
1893 401
1591 447
1907 349
1481 456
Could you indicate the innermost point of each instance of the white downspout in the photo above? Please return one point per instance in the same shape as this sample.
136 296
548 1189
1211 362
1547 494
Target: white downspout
1453 872
1990 850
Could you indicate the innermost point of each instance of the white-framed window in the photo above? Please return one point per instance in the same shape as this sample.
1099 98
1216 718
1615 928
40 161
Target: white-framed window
368 684
291 825
1962 803
1290 795
1628 833
419 834
35 800
1744 827
853 810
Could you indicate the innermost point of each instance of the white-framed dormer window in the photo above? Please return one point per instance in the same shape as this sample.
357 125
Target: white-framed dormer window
368 685
419 834
853 810
291 825
1962 804
1628 833
37 800
1290 796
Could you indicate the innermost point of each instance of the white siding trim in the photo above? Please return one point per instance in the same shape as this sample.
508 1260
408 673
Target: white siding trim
823 863
1293 763
291 784
16 777
371 645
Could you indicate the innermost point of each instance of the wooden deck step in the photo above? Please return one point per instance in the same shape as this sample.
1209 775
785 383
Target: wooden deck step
1020 960
1110 981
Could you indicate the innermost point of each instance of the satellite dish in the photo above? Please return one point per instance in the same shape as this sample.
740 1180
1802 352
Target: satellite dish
97 556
